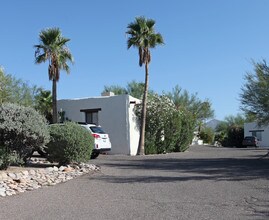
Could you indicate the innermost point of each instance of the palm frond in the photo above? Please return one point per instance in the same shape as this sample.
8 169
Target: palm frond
150 23
142 36
41 58
53 48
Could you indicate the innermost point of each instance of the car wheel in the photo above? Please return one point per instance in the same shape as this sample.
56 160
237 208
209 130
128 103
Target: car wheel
94 155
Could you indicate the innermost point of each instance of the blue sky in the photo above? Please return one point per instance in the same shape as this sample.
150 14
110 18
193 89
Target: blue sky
208 47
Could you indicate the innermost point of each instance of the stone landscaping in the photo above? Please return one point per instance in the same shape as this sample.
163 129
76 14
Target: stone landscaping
21 180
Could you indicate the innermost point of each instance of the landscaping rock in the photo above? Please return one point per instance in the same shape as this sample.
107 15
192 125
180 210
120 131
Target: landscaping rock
12 183
68 169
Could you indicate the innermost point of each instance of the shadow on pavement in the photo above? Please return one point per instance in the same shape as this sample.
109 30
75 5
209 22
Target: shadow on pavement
194 167
229 169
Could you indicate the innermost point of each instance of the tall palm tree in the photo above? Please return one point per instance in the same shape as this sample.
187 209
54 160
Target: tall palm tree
142 36
52 48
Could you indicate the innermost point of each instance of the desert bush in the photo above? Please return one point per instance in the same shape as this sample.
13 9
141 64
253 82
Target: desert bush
22 129
186 132
230 136
8 158
235 137
221 138
167 128
207 135
159 136
69 143
5 157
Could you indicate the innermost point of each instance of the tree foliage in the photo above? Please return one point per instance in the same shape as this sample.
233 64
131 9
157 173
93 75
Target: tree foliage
202 110
44 103
136 89
133 88
255 93
116 89
17 91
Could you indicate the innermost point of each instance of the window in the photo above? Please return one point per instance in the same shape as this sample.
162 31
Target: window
91 115
92 118
97 130
257 134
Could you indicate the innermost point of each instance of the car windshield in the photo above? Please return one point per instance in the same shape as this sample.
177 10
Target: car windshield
97 130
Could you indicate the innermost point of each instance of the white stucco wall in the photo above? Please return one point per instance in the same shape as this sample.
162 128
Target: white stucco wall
114 117
134 132
249 127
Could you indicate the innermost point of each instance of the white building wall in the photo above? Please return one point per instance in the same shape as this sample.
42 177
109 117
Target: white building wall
249 128
133 126
114 117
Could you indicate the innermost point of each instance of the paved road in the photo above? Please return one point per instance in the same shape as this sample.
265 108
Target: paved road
203 183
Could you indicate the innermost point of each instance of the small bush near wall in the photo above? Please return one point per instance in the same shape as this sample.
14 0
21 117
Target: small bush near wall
69 143
207 135
22 129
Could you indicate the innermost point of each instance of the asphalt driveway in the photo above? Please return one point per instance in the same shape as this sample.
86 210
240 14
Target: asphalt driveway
203 183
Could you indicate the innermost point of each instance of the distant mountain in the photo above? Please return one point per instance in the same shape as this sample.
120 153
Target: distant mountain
212 123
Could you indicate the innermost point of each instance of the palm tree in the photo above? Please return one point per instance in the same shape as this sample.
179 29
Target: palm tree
142 36
44 103
53 48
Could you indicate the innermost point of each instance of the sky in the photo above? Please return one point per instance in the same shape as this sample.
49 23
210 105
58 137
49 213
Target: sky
209 45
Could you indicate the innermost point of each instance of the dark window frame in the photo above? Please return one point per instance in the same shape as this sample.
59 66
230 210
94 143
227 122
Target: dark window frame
89 111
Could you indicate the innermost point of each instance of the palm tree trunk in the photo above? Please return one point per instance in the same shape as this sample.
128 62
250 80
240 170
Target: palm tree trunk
54 101
141 146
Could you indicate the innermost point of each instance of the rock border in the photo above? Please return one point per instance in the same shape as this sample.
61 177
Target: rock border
12 183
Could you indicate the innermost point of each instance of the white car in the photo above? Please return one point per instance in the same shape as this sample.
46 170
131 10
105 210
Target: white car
101 139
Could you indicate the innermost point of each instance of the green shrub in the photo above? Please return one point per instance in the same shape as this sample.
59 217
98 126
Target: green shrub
161 129
69 143
167 128
5 158
22 129
186 132
235 137
232 137
172 131
207 135
221 138
150 147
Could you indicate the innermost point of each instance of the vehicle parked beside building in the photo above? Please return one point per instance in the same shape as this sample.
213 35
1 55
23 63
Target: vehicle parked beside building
101 139
250 141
